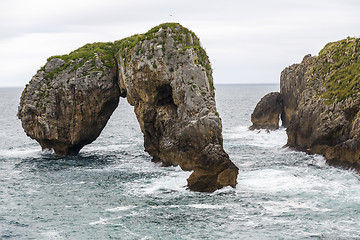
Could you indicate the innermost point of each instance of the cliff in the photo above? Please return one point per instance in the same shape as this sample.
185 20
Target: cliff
321 103
165 74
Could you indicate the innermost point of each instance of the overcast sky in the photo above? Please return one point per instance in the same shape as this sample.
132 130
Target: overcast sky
247 41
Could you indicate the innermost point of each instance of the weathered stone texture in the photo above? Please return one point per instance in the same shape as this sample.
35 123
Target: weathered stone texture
267 111
165 74
69 110
321 103
292 84
174 103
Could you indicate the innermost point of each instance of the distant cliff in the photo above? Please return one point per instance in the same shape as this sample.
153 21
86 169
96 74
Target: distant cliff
321 103
165 74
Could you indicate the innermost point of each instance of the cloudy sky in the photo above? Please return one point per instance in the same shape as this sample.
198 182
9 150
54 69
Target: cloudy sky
247 41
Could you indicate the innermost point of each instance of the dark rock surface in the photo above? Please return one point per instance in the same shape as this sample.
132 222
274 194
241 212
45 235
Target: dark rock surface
327 118
67 111
321 103
267 111
292 83
174 101
165 74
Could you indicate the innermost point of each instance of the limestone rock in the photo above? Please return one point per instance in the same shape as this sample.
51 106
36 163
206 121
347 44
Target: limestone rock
165 74
171 88
54 64
292 83
322 102
267 111
68 109
327 117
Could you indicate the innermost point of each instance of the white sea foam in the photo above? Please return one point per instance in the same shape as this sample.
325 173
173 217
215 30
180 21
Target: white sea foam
120 208
104 221
20 153
280 193
146 237
107 147
70 183
101 221
52 235
273 180
206 206
319 161
174 181
279 207
261 138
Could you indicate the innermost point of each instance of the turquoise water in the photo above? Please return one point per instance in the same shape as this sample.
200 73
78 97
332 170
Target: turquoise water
112 190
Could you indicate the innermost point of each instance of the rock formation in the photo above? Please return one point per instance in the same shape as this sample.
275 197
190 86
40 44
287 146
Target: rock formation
67 104
292 83
165 74
322 102
267 111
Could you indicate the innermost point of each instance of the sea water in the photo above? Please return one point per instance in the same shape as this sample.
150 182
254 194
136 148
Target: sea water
112 190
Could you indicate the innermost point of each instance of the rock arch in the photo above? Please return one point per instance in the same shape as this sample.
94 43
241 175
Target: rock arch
165 74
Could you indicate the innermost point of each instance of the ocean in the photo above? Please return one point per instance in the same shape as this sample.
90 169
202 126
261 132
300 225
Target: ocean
112 190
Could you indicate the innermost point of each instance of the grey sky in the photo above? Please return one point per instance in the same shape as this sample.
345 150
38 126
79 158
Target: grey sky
247 41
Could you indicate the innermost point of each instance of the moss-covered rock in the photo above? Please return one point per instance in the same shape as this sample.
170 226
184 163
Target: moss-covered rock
164 73
322 102
336 72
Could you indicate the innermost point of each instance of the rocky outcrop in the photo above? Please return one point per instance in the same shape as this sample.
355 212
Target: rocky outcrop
66 105
165 74
322 110
267 111
292 83
170 86
327 117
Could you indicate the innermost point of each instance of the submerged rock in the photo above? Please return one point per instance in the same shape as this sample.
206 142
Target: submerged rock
165 74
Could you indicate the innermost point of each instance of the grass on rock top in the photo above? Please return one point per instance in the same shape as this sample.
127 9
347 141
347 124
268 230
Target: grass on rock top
107 51
338 66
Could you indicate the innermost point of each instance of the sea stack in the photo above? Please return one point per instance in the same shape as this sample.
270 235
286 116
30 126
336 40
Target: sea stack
321 103
267 111
165 74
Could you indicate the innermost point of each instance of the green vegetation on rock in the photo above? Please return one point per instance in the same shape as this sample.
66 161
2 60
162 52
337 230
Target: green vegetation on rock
107 51
338 68
104 51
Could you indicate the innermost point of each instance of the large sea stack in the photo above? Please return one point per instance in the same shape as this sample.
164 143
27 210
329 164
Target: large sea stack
321 103
165 74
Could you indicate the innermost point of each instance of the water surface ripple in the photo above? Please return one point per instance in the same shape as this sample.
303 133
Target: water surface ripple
112 190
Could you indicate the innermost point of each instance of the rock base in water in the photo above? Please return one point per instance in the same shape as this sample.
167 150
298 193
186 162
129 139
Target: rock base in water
165 74
321 103
267 111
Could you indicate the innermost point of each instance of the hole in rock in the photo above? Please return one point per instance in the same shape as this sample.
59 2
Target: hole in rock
164 95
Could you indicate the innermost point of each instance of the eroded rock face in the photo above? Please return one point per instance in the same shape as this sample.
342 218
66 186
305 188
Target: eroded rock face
327 117
165 74
68 109
170 86
267 111
322 102
292 83
330 130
